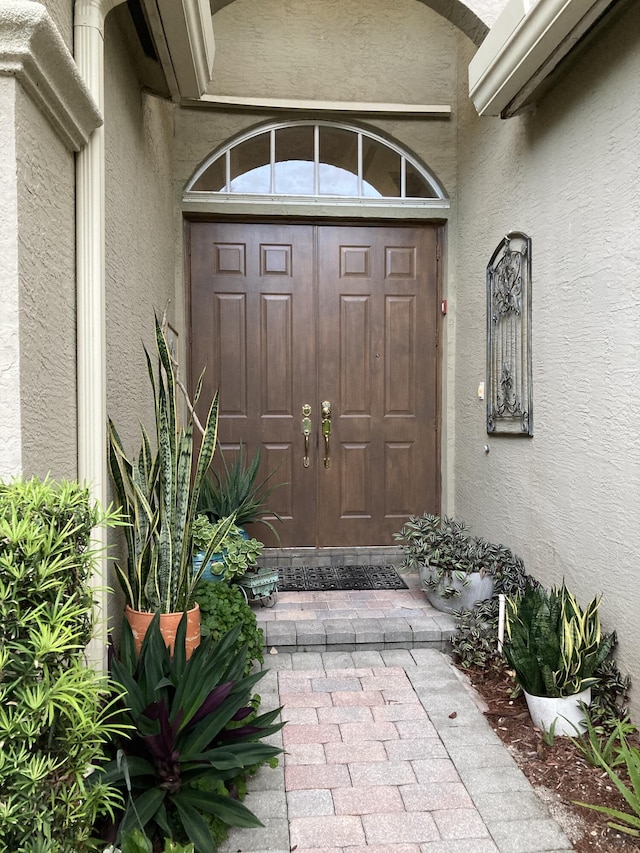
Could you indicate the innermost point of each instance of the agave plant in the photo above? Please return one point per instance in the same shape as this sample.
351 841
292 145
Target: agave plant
159 498
553 645
194 731
234 491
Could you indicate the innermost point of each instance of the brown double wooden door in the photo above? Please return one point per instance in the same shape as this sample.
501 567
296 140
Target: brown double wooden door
288 316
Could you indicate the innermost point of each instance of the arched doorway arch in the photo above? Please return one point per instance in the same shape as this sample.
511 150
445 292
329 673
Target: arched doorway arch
462 15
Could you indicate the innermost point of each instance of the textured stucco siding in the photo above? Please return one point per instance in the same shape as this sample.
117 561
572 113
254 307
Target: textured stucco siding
473 17
339 49
46 221
140 235
61 12
568 499
10 422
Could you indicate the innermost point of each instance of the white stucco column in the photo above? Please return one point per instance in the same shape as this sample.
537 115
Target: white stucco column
10 411
91 308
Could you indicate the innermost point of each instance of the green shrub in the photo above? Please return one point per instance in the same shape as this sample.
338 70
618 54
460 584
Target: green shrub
600 743
610 694
53 719
137 842
445 548
222 607
475 643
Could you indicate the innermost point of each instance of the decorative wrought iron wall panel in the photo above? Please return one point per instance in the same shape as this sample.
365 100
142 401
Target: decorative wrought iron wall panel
509 391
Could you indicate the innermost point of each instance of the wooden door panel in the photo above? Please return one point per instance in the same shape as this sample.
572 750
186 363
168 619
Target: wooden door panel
355 492
399 361
354 364
251 311
283 315
378 294
399 471
229 340
276 366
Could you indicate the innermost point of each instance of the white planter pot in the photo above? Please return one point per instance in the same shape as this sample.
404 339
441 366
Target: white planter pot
479 588
564 710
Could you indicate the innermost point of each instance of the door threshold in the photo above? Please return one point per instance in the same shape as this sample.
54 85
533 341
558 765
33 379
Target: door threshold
376 555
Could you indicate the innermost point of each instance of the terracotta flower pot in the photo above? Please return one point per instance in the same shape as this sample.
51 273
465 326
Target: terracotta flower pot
140 621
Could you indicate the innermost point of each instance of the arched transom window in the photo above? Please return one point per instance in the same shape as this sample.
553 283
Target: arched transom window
319 160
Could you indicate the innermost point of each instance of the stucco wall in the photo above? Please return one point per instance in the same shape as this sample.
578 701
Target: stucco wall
61 12
392 51
568 499
38 422
46 199
473 17
141 226
140 234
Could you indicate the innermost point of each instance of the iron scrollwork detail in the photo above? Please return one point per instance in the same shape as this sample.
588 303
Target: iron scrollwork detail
509 391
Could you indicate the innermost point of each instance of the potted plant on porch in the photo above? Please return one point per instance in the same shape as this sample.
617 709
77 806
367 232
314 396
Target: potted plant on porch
456 570
159 493
554 648
237 491
236 562
238 553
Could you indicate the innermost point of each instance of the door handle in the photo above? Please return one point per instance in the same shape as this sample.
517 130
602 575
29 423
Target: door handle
306 432
326 431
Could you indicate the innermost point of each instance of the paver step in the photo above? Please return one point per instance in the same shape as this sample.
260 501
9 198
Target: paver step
355 621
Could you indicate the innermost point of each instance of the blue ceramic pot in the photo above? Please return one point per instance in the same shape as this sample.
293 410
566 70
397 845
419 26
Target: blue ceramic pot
208 575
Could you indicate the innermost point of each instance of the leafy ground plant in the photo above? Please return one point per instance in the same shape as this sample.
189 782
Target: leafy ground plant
627 822
475 643
54 713
222 607
137 842
194 732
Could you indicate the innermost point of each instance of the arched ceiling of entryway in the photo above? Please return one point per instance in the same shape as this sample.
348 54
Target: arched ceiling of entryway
473 17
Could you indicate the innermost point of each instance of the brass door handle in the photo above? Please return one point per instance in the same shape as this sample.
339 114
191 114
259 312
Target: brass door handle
326 431
306 432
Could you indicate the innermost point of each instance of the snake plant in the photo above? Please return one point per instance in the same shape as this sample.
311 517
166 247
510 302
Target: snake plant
553 645
159 497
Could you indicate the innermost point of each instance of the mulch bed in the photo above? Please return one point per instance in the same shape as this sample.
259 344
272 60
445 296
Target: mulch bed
558 772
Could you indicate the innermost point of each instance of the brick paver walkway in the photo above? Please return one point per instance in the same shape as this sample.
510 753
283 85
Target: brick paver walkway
387 752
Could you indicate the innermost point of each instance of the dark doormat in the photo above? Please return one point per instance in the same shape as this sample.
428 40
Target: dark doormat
306 578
